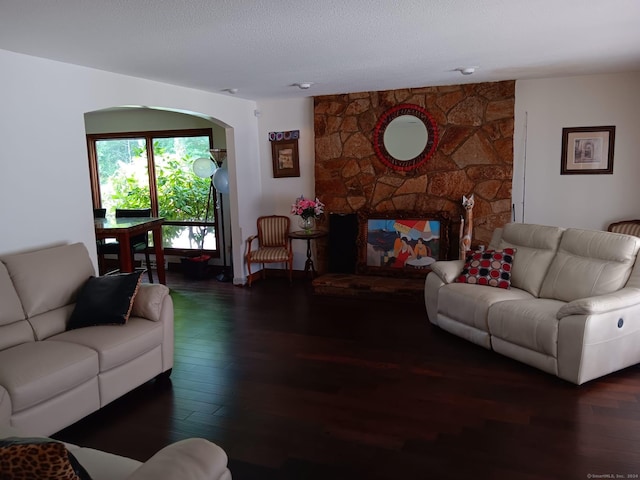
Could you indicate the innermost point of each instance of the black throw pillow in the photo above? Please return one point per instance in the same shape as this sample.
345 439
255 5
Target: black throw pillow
33 458
105 300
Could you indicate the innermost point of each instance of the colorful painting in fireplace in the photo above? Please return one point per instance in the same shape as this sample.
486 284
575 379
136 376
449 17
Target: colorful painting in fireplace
402 243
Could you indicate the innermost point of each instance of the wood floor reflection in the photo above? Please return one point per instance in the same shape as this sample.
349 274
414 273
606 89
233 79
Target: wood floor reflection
297 386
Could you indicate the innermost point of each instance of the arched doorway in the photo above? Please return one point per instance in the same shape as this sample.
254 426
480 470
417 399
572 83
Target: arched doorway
141 157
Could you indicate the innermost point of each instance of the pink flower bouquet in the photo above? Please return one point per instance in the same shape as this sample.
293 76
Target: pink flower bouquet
307 208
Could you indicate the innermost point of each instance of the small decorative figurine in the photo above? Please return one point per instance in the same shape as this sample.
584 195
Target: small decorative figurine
466 226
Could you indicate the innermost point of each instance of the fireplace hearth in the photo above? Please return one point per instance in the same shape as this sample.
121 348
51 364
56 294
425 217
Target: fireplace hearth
370 287
382 255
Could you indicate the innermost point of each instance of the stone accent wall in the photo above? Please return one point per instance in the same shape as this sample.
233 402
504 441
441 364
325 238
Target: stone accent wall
474 154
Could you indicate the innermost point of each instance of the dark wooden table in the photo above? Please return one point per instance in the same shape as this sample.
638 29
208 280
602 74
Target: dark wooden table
123 229
308 236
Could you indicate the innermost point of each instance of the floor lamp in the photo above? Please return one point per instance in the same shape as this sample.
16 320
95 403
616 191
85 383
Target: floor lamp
220 181
203 168
213 168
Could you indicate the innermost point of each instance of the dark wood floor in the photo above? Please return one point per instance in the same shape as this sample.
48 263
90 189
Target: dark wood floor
297 386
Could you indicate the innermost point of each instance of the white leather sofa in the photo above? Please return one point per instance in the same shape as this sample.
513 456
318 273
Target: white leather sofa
193 458
50 377
573 309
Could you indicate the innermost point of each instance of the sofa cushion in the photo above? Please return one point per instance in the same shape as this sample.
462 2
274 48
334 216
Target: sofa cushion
191 458
102 465
536 245
38 458
14 329
5 407
590 263
469 304
37 371
530 324
10 306
447 270
52 322
105 300
117 345
489 267
15 334
149 300
496 236
49 278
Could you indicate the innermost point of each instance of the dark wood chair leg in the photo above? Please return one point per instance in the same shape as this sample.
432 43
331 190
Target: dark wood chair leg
101 264
147 259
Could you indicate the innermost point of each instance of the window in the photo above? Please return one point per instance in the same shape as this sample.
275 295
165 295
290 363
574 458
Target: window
154 170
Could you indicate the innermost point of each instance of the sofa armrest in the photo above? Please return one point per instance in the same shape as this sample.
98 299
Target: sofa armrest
190 459
148 301
624 298
447 270
5 408
249 242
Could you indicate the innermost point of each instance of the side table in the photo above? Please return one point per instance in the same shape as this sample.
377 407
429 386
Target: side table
308 236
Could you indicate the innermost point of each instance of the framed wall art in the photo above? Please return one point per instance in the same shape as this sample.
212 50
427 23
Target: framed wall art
587 150
401 244
284 153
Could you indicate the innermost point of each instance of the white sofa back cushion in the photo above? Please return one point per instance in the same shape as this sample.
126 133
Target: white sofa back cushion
14 329
52 322
10 306
50 278
496 236
590 263
536 246
634 277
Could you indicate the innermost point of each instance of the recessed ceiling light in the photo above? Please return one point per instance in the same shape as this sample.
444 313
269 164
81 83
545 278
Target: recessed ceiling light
303 85
232 91
466 70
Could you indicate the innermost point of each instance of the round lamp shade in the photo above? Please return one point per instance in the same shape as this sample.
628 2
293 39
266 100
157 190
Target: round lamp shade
204 167
221 180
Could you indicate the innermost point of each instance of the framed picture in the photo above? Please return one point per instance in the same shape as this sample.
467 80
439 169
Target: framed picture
286 162
587 150
401 244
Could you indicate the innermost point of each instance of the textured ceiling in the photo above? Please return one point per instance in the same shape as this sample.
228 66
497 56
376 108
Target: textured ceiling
263 47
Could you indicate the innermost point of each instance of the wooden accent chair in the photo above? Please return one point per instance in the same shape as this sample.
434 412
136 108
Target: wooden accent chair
629 227
274 244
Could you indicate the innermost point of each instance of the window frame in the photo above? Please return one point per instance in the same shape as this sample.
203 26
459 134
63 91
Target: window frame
149 136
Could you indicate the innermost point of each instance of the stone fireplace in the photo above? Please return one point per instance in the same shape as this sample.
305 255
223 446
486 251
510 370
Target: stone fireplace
474 155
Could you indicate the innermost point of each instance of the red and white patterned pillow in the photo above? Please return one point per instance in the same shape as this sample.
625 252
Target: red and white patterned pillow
491 267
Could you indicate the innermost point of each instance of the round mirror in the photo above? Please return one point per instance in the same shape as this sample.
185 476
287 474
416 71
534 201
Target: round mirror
405 137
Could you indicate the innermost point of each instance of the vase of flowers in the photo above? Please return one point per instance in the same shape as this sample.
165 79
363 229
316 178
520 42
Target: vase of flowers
309 211
307 224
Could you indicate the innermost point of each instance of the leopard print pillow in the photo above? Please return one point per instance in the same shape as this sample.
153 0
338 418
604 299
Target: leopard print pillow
41 458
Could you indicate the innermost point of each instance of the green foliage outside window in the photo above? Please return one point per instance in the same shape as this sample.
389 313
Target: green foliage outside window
181 194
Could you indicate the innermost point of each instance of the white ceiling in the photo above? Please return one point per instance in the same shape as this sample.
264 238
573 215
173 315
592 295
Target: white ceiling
262 47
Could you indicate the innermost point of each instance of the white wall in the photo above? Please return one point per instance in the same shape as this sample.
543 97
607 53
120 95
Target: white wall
583 201
146 119
44 177
278 194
